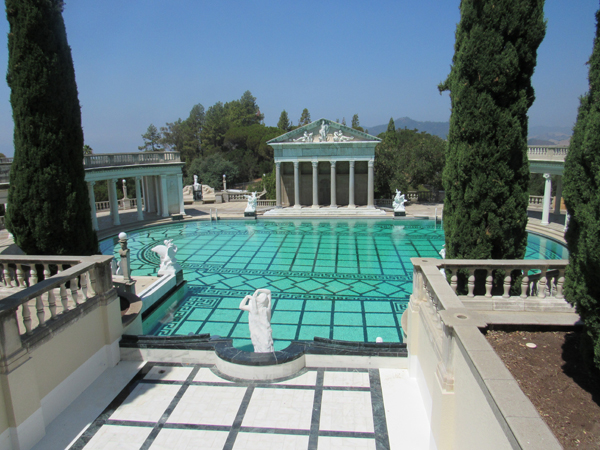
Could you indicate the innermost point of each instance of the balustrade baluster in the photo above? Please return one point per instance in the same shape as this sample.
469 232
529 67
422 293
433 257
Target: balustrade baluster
20 277
84 284
488 282
560 281
541 285
26 317
75 291
7 277
471 283
453 277
39 303
506 293
51 296
525 284
63 292
92 282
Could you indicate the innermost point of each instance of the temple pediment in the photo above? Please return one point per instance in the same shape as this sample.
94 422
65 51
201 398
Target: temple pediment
323 131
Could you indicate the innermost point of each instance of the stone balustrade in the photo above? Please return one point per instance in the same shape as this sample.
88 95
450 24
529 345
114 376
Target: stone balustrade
266 202
547 153
127 159
43 294
526 285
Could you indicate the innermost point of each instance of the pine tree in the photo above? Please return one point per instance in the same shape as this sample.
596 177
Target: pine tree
284 121
356 123
487 170
304 118
582 198
48 207
151 140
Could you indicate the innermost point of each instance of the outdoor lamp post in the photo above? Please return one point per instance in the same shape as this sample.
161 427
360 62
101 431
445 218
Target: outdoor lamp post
224 182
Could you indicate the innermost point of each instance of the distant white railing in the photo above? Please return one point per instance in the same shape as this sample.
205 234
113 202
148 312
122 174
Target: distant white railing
266 202
547 153
126 159
105 205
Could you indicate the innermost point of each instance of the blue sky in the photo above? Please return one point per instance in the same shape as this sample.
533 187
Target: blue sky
149 61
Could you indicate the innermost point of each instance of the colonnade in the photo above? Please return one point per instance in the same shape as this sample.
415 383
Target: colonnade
153 189
333 177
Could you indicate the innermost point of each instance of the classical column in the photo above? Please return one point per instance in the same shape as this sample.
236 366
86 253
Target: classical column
558 199
93 204
333 176
296 185
278 185
138 198
315 165
351 187
157 195
547 199
180 193
145 195
114 201
370 189
164 196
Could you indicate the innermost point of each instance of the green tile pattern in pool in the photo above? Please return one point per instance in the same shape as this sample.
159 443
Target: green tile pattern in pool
347 280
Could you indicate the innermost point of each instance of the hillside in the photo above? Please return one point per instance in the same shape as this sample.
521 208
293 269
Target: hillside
538 135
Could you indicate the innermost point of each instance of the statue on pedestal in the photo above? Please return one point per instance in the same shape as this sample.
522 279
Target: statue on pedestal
168 262
251 207
398 204
258 306
197 189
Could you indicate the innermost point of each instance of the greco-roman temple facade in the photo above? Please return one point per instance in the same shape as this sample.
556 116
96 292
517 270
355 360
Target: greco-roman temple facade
324 168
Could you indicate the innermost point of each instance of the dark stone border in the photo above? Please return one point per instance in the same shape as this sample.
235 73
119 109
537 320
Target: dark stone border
224 349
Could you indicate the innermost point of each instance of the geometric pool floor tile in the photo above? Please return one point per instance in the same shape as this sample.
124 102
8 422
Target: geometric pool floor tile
337 279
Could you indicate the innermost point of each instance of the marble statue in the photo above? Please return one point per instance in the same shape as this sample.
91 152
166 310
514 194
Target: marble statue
308 137
398 202
197 189
443 251
338 136
168 262
252 200
258 306
323 132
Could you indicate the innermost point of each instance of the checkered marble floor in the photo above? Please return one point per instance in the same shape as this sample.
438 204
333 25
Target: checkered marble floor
175 406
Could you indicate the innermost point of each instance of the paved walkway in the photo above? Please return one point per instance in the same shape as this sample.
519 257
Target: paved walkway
178 406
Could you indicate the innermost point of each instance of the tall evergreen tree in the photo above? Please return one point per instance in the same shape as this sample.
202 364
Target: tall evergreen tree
487 170
152 140
48 207
284 121
582 197
356 123
304 118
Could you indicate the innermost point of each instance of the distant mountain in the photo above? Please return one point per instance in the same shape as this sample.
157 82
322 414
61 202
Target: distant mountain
436 128
541 135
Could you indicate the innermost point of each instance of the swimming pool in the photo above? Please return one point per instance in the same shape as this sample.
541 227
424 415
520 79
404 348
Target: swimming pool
338 279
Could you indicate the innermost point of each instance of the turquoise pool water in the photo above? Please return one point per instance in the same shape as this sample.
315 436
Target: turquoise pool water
346 279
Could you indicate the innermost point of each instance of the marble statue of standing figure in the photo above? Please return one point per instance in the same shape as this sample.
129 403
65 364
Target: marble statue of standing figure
323 132
398 202
252 201
258 306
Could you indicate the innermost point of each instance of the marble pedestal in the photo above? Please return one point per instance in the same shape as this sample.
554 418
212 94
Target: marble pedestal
399 213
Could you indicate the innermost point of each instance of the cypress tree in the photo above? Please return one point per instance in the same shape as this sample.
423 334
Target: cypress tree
487 170
48 207
582 198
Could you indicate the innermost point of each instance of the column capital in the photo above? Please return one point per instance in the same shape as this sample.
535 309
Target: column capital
547 176
315 164
351 162
371 163
278 164
296 164
114 180
139 178
91 183
332 163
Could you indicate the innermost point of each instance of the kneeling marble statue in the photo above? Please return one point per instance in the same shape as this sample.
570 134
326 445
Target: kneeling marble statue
398 204
258 306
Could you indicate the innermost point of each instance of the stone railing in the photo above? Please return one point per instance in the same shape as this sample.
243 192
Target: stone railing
105 206
266 202
385 202
547 153
236 197
128 159
528 285
538 200
43 293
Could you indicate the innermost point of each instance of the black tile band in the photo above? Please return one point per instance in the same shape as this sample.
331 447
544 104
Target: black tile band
237 423
382 441
313 437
